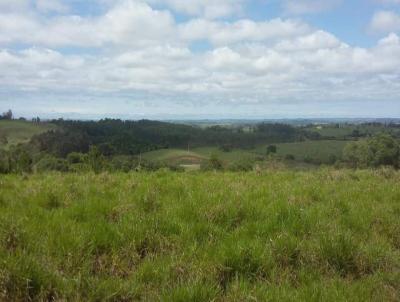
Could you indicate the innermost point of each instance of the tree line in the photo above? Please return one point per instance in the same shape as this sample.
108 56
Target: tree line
116 145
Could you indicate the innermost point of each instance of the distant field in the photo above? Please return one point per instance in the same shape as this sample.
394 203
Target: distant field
21 131
174 156
346 130
317 150
233 155
282 236
320 150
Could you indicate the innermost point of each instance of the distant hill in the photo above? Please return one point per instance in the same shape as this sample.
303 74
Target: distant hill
17 131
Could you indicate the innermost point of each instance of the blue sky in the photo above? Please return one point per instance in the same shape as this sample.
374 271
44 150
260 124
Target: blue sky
200 58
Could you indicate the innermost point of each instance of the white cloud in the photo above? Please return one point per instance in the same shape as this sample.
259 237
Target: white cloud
316 40
222 33
385 21
139 50
129 23
299 7
133 23
13 5
205 8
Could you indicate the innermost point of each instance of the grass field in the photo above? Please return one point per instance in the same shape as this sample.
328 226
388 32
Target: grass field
174 156
21 131
346 130
275 236
319 150
234 155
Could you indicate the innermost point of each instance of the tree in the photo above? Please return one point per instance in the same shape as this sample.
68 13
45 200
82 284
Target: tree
214 163
95 159
226 148
271 149
380 150
8 115
51 163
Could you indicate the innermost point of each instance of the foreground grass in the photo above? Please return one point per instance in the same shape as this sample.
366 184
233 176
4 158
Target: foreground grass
278 236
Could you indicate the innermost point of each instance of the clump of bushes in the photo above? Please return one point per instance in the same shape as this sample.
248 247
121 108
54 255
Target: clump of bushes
380 150
214 163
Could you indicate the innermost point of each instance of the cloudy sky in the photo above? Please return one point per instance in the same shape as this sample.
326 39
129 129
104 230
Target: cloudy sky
200 58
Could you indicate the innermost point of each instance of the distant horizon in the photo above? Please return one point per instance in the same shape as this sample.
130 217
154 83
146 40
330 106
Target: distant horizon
186 118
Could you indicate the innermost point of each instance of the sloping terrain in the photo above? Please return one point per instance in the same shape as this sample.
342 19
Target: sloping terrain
15 132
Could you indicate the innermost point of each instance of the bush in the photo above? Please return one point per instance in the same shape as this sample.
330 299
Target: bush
51 163
271 149
380 150
76 158
241 165
214 163
290 157
226 148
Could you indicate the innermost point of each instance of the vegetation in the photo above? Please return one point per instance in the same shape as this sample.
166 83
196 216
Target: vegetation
317 152
380 150
283 236
82 219
19 131
116 137
148 145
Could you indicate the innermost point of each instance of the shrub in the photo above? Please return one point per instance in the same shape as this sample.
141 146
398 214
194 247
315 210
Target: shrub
380 150
214 163
51 163
290 157
241 165
271 149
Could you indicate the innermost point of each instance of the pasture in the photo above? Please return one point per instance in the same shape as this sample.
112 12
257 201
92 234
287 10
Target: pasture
15 131
323 235
316 150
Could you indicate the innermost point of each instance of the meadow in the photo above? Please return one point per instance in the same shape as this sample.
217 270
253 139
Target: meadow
17 132
321 151
322 235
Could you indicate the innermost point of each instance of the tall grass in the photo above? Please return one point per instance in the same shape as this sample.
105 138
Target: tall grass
276 236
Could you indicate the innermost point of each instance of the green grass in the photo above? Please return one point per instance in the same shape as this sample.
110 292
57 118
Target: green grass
231 156
346 130
321 151
317 150
174 156
324 235
21 131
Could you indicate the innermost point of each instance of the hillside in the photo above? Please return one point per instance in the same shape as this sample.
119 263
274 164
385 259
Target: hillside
16 131
327 235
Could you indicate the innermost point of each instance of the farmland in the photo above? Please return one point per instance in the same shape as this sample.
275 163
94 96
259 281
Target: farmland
327 235
317 151
15 132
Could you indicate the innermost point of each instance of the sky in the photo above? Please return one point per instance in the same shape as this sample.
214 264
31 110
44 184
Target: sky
199 59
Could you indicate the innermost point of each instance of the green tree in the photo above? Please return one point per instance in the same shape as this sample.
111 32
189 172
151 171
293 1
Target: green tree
271 149
51 163
380 150
95 159
8 115
214 163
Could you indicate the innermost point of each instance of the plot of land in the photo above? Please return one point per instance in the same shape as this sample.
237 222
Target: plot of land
16 132
317 150
175 156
